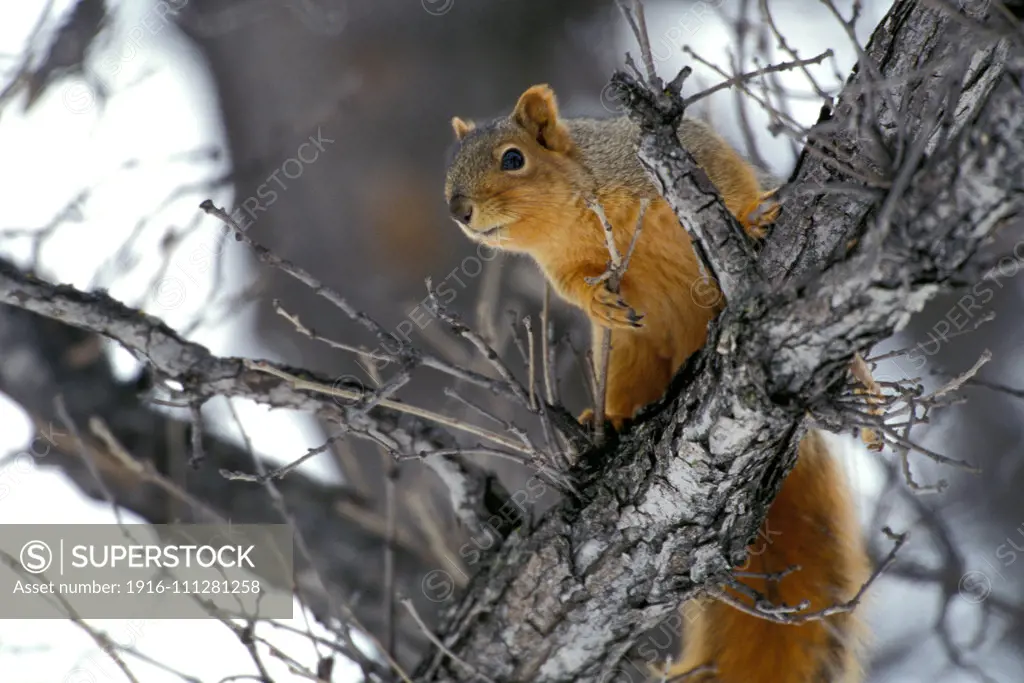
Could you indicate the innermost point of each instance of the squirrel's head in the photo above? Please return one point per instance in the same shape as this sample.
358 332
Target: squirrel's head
509 179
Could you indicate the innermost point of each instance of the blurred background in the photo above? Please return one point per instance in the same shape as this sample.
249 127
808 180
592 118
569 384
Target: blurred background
325 124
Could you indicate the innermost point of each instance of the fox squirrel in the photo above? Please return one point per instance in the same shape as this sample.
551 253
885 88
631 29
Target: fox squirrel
523 184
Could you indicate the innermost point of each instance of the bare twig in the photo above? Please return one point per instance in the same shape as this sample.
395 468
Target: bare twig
751 75
102 640
195 411
355 395
147 474
785 614
391 506
459 328
407 603
87 456
601 384
532 363
612 279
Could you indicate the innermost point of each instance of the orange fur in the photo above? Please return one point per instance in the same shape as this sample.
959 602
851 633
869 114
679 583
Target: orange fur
811 524
541 209
657 285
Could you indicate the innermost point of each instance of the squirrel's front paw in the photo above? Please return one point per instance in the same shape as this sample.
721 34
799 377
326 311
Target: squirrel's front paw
758 216
609 309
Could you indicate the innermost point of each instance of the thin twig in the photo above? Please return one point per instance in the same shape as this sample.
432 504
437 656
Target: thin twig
407 603
546 345
532 363
961 379
338 605
282 509
105 643
355 395
462 330
508 425
639 28
148 474
601 385
287 468
391 475
612 279
784 614
196 414
87 456
271 259
307 332
391 506
751 75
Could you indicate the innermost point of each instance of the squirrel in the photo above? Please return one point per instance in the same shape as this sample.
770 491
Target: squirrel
525 183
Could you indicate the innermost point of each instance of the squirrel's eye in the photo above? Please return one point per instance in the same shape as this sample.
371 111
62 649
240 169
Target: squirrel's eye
512 160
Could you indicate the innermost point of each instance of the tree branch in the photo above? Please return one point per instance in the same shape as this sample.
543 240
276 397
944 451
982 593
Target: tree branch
719 240
43 358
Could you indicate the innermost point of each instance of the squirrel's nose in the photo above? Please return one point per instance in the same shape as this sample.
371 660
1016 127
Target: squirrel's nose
461 208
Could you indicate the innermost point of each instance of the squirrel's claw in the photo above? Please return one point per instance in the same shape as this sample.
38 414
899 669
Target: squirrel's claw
586 419
611 309
756 222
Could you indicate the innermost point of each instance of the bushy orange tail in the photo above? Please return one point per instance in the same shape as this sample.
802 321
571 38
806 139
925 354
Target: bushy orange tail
811 524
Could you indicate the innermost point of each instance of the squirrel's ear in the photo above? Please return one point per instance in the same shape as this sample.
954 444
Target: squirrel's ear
461 127
537 112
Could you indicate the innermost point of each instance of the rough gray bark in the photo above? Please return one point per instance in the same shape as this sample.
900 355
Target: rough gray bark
675 503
